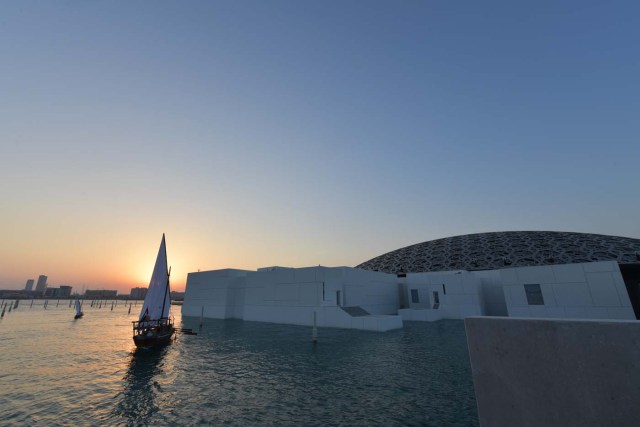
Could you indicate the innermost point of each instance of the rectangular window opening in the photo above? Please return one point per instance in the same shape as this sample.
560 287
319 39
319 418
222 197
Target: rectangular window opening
415 298
534 294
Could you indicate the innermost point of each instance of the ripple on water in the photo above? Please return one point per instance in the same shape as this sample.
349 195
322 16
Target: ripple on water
88 372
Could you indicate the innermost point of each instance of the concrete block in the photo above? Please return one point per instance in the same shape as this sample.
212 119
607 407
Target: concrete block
517 295
572 294
468 311
452 286
470 284
568 273
597 313
577 312
548 295
389 323
509 276
266 276
382 323
310 293
542 274
285 275
603 290
592 267
407 314
476 300
369 323
623 294
621 313
555 372
334 274
420 315
303 275
460 299
449 311
538 311
357 323
556 312
519 312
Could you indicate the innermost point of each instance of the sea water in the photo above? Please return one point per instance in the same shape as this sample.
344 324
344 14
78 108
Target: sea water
55 370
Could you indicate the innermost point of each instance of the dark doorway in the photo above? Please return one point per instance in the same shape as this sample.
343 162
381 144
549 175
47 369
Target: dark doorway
631 277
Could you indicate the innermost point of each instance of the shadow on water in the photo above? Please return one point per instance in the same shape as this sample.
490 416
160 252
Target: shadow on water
138 400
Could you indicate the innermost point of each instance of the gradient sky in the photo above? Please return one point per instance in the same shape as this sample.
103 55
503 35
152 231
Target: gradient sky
297 133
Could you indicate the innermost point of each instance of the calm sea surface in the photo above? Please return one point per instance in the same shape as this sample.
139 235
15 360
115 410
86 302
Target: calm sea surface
55 370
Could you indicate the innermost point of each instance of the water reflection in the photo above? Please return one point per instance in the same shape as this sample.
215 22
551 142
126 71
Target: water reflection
139 399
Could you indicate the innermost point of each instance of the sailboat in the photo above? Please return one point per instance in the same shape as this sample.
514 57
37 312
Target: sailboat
154 325
79 312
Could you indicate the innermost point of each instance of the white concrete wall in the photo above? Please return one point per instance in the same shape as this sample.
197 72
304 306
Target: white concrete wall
291 296
593 290
211 290
373 291
286 295
492 292
459 294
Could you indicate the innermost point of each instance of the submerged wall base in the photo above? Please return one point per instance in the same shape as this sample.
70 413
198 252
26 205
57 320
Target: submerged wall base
333 317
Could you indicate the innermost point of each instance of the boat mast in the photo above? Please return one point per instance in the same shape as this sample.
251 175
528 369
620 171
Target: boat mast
166 288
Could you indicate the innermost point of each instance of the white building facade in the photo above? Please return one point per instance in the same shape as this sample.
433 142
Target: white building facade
340 297
353 298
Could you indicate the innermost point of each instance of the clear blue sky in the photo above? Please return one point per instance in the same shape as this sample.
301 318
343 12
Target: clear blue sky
301 133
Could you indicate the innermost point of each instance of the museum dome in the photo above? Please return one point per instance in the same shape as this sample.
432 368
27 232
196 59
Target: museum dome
489 251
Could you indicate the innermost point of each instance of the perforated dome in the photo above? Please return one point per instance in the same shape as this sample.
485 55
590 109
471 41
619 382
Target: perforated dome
488 251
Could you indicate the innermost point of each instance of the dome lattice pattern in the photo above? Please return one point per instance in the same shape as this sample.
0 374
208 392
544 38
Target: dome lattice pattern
488 251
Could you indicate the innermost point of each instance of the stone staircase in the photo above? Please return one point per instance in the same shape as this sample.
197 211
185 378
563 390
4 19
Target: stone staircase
355 311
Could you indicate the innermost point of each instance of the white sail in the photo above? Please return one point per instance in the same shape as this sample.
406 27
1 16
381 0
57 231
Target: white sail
78 306
157 302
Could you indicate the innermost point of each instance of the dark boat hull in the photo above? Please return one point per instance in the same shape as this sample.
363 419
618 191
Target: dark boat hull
153 338
153 332
77 316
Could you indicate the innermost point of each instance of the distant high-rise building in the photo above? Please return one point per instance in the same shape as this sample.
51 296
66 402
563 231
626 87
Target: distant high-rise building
29 286
42 284
65 292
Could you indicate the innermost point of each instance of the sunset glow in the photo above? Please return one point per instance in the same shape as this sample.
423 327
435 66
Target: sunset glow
304 133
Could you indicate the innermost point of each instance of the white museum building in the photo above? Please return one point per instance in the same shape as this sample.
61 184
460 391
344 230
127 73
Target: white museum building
516 274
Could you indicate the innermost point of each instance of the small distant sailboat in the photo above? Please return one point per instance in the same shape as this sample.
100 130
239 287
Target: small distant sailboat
79 312
155 326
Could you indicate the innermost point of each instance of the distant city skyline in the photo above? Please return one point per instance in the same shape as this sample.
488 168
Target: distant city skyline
41 285
304 133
